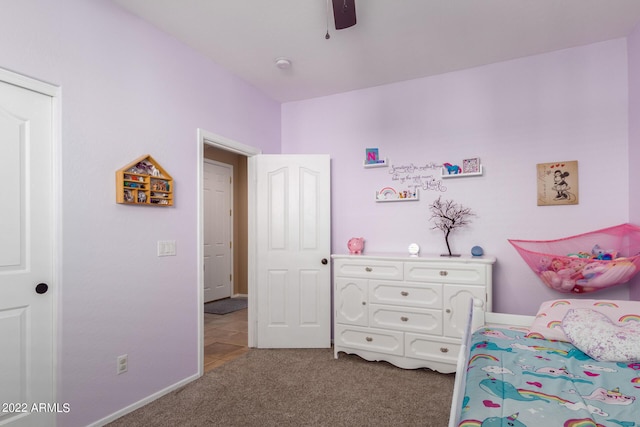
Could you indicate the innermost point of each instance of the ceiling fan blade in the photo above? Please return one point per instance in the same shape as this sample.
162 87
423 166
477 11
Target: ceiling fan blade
344 13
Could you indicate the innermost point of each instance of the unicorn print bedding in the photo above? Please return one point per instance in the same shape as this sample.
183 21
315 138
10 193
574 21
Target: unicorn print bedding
514 378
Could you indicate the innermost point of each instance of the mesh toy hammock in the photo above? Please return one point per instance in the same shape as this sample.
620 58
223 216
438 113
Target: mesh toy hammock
586 262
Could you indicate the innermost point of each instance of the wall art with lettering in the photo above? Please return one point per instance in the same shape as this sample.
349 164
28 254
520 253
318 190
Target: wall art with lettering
424 177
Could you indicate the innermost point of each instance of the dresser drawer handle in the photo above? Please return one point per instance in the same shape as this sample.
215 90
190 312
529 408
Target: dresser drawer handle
444 349
364 303
369 339
404 293
448 310
444 272
404 319
369 269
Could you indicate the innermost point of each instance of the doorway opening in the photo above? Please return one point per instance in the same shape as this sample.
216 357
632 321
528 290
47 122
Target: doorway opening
220 149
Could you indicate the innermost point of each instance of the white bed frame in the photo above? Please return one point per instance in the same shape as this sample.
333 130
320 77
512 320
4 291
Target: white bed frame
477 319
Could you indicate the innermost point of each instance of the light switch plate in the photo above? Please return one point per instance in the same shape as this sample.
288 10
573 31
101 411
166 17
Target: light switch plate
166 248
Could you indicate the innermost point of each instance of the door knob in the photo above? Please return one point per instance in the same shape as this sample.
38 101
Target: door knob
42 288
324 261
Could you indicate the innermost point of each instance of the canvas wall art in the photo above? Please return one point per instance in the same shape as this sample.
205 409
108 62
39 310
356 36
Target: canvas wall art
558 183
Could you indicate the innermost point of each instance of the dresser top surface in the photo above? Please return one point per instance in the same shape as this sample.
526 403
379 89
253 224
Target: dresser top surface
389 256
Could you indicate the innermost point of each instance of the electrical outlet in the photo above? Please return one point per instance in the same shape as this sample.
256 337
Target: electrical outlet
122 364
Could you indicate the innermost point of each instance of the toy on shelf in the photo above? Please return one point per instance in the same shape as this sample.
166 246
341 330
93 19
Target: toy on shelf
373 160
144 182
564 265
390 194
356 245
452 169
470 167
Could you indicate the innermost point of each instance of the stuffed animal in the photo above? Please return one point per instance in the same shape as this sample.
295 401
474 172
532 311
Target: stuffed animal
452 169
591 271
557 282
609 274
605 254
543 263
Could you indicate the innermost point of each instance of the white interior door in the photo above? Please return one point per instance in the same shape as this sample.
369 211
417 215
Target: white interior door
293 245
26 248
218 226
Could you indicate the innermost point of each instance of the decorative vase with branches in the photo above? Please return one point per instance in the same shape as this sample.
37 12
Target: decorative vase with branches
449 216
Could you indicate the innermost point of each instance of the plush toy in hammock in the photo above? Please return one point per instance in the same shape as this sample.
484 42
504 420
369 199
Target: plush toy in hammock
586 262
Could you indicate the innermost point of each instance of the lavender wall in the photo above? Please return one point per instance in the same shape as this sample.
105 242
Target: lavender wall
633 51
127 90
561 106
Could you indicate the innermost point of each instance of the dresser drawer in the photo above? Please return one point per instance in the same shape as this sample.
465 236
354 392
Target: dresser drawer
428 295
411 320
373 269
446 273
432 348
389 342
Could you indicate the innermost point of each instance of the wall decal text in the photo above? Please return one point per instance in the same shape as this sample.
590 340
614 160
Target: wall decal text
421 177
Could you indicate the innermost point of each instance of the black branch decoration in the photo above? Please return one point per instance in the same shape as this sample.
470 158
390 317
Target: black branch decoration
449 216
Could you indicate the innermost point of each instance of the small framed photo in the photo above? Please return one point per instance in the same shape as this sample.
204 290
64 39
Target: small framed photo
471 165
371 156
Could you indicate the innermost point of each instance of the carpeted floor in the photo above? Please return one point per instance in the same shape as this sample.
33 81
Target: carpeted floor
226 306
303 387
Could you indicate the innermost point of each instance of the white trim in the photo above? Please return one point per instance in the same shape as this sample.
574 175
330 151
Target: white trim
207 138
29 83
491 318
227 144
55 93
140 403
252 286
58 236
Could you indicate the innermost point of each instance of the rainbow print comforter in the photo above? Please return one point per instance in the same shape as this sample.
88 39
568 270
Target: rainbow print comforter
527 382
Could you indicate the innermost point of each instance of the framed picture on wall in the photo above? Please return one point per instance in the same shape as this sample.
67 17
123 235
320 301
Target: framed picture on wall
557 183
471 165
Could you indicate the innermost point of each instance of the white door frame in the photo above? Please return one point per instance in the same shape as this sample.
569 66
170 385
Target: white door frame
55 222
213 140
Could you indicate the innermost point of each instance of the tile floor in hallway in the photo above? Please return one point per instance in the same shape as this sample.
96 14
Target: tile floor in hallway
225 338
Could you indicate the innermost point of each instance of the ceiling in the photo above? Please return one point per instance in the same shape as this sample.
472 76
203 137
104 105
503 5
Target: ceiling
394 40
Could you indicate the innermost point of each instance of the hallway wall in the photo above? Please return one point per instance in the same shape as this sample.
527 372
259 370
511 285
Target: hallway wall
128 90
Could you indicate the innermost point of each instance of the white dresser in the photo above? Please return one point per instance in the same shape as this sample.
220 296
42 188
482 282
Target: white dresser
407 311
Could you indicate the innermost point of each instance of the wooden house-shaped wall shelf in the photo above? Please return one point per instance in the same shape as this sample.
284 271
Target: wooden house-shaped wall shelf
144 182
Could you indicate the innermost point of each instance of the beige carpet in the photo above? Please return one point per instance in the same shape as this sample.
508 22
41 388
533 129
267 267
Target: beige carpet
303 387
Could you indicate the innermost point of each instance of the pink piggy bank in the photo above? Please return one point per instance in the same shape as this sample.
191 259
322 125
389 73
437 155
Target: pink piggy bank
356 245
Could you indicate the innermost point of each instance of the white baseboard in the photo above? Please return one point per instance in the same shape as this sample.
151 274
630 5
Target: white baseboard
145 401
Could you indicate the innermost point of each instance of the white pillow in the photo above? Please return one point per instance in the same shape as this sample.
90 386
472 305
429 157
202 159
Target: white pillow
597 336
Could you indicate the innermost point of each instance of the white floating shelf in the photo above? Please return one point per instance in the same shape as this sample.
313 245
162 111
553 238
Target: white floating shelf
398 200
446 175
382 163
392 196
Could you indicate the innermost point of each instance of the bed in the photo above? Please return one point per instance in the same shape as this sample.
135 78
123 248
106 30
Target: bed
575 364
